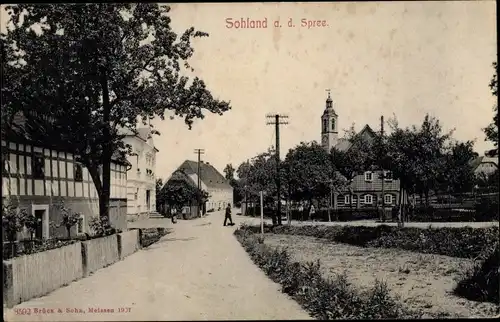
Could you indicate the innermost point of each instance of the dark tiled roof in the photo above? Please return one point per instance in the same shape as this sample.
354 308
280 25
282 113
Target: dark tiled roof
209 175
345 144
19 122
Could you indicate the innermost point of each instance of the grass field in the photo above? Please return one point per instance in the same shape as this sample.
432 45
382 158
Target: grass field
424 282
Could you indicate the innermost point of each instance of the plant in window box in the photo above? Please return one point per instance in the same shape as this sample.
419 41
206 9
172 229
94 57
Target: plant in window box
69 218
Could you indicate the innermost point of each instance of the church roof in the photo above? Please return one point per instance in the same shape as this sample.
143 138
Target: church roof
365 133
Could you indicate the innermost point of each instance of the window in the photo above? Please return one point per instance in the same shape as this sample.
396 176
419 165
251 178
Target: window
333 124
5 163
388 176
368 199
81 224
78 172
38 166
325 125
347 199
388 199
368 176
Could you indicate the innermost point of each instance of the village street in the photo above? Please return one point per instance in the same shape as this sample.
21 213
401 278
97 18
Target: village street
197 272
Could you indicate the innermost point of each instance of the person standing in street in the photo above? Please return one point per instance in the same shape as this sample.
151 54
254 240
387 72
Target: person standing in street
174 215
228 215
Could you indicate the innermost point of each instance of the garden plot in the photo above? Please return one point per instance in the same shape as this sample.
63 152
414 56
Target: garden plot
424 282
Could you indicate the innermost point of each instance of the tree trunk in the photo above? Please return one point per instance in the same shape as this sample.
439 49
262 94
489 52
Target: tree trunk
107 151
68 229
426 197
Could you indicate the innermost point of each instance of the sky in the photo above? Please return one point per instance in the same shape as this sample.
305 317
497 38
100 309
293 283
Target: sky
378 58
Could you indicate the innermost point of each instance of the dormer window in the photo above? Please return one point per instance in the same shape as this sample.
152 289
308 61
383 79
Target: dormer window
368 176
388 176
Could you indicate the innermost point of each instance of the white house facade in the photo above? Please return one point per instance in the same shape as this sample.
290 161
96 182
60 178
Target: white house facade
141 178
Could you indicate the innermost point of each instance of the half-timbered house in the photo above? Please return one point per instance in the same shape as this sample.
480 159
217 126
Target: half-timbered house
37 178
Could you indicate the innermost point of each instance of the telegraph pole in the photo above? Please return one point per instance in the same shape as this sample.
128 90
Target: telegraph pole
199 152
277 120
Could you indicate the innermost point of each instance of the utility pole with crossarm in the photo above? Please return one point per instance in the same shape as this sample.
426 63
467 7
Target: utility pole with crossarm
199 152
277 120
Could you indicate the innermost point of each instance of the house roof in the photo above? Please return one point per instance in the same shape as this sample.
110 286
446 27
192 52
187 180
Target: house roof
208 174
345 144
481 160
18 123
143 133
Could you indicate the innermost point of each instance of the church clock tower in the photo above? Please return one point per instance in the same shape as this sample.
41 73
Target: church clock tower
329 133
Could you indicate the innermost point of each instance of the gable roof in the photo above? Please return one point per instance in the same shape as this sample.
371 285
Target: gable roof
481 160
345 144
143 133
208 174
17 135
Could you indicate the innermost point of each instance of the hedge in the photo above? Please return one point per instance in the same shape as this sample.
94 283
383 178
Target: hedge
481 283
325 299
150 236
464 242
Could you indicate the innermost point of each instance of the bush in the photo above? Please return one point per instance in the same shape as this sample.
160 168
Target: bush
487 209
324 299
481 283
150 236
27 247
464 242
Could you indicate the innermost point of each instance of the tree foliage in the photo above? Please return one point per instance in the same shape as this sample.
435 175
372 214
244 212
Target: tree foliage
91 70
229 172
310 172
179 193
492 130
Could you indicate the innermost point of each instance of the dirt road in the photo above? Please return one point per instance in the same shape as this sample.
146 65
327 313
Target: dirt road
197 272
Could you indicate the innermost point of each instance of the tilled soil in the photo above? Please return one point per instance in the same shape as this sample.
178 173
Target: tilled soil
424 282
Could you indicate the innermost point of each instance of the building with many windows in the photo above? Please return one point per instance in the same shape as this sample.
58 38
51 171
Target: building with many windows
37 178
365 188
141 178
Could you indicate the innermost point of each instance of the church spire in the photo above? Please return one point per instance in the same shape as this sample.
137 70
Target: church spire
329 102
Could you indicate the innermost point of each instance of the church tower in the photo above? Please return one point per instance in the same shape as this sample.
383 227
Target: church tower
329 132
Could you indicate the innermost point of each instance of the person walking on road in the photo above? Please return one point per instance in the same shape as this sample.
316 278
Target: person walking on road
228 215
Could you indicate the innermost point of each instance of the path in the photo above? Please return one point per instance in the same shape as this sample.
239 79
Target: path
197 272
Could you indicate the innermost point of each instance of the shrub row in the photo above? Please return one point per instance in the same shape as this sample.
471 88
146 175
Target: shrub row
465 242
481 283
324 299
150 236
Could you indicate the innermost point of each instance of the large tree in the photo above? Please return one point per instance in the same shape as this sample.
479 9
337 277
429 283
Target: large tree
417 155
310 173
81 72
492 130
457 176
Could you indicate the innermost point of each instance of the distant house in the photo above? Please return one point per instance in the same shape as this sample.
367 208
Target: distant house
36 177
484 165
212 181
366 187
141 178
